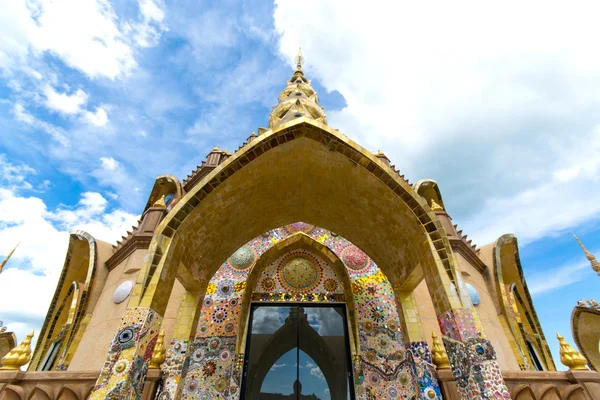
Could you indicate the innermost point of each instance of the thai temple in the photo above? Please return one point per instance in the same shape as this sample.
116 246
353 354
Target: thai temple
300 266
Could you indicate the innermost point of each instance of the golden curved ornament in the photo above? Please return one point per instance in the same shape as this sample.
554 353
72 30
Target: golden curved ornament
18 356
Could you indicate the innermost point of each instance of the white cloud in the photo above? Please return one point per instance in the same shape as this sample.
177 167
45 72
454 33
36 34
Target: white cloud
109 163
55 132
64 103
43 235
98 118
487 99
555 278
14 176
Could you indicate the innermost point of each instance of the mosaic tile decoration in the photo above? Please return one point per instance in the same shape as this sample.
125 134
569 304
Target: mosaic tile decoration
172 370
475 369
124 372
425 371
210 371
385 368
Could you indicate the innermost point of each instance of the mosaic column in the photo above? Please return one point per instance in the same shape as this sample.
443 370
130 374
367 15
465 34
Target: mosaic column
423 367
472 357
124 373
173 367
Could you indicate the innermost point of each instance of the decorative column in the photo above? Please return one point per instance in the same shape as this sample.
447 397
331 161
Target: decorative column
472 356
124 372
173 367
414 337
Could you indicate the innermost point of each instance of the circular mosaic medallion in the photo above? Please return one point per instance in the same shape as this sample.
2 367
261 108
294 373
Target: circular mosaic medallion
268 284
122 292
330 285
354 258
225 288
191 386
126 335
219 314
298 227
242 259
229 327
430 394
392 392
224 355
299 273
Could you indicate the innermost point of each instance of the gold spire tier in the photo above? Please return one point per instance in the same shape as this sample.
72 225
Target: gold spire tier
297 100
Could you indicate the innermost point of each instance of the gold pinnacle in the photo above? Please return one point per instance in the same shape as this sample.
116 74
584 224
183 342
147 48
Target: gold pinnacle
299 59
435 206
438 354
8 257
18 356
569 356
159 353
592 259
160 202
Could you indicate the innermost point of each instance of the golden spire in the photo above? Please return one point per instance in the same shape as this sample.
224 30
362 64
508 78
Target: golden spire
159 353
18 356
589 256
569 356
8 257
438 354
299 59
297 100
160 202
435 206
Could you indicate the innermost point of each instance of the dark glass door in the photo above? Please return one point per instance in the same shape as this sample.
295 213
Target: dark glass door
298 352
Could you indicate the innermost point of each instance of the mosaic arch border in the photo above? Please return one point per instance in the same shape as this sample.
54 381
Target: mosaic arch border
510 241
298 240
161 249
46 336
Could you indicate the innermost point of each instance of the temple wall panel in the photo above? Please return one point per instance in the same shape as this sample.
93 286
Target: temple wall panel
170 318
106 316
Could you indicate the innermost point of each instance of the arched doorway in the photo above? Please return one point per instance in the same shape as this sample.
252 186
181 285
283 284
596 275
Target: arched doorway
303 170
295 328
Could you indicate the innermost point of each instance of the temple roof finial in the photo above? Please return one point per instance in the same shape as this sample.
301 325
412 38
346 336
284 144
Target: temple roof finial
8 257
595 263
299 59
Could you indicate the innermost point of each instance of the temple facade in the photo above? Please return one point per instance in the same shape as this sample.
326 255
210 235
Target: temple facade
300 266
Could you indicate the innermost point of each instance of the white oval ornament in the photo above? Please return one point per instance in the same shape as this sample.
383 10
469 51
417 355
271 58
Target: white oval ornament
122 292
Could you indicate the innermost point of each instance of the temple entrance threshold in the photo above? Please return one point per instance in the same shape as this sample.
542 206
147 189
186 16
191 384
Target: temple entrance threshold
297 351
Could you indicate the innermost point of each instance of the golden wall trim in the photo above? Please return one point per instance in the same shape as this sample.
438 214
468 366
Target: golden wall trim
508 242
48 332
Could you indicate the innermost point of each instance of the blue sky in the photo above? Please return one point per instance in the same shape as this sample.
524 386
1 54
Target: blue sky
97 98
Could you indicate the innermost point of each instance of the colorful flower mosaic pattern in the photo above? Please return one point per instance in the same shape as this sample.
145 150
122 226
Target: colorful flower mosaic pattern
124 372
299 273
354 258
242 259
475 369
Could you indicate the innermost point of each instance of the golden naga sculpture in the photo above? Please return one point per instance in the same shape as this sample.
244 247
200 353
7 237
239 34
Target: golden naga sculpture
18 356
160 353
569 356
435 206
438 354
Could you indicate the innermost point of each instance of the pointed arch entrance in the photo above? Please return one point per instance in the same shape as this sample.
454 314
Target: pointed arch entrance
301 170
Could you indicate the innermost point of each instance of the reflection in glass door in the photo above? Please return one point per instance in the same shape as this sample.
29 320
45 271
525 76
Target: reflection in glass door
297 352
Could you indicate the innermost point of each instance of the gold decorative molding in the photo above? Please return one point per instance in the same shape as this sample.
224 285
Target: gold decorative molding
438 354
569 356
160 353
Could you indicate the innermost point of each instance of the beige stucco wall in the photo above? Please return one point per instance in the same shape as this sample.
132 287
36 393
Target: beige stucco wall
106 316
488 314
170 317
